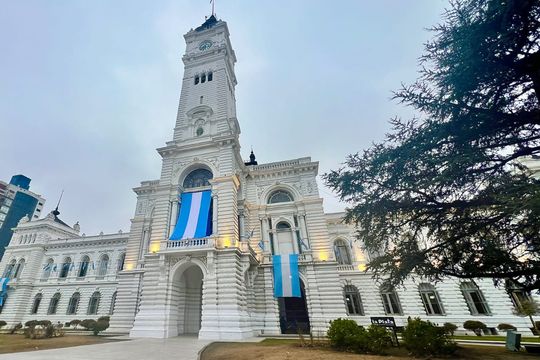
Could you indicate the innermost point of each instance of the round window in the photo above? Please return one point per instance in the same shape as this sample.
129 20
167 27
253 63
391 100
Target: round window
199 131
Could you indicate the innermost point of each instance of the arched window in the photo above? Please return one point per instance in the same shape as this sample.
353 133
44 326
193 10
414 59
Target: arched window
53 305
121 261
353 300
430 299
285 240
517 294
93 304
280 196
9 269
18 269
35 305
197 178
210 76
113 303
475 299
47 268
103 265
196 79
66 266
203 78
83 267
73 304
342 251
390 301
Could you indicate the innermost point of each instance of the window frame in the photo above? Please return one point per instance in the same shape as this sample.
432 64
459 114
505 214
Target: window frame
278 192
339 246
36 304
350 294
388 305
55 300
73 303
93 303
468 288
424 289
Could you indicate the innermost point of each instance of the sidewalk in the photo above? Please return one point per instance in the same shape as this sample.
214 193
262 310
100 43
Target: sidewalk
180 348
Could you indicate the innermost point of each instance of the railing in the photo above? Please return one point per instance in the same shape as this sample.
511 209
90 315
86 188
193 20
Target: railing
189 243
345 268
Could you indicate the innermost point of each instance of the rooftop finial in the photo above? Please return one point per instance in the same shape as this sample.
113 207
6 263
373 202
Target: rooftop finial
55 211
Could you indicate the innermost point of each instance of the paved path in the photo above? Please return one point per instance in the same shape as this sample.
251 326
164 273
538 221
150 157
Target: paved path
177 348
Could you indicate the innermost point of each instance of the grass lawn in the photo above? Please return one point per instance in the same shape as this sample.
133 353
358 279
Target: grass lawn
17 343
534 339
281 349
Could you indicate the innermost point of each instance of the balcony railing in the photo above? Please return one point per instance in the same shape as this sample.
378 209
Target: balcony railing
190 244
345 267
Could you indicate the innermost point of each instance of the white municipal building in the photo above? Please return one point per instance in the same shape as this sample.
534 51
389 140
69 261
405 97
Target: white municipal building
198 257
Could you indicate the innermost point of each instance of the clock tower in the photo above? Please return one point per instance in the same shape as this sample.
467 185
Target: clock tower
170 283
207 103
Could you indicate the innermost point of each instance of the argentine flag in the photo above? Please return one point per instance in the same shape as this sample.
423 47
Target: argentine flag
194 219
286 276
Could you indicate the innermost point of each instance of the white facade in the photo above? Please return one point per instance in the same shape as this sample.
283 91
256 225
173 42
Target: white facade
34 260
221 286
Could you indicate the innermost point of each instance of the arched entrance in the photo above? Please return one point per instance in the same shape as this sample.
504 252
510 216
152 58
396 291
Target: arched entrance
187 299
293 314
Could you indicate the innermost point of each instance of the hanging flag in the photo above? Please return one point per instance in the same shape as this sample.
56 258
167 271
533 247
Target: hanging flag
286 276
195 217
304 244
3 290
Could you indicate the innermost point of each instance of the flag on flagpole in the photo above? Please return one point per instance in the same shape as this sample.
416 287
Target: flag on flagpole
261 245
286 276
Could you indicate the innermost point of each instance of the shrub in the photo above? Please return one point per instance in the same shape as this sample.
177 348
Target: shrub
423 338
377 339
74 323
475 326
44 323
342 333
104 318
506 327
87 323
99 326
2 323
449 328
31 323
15 328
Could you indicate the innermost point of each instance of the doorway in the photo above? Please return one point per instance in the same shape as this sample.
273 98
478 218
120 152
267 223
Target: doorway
188 295
293 314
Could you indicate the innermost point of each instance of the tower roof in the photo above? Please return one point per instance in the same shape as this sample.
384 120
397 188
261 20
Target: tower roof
210 22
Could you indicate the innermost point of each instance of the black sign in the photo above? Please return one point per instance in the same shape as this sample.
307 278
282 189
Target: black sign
384 321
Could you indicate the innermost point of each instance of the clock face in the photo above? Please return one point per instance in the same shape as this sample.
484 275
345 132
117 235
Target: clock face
205 45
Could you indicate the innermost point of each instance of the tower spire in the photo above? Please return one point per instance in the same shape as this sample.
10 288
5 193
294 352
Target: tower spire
213 3
55 211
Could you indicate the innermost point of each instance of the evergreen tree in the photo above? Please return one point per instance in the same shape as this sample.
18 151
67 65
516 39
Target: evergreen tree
447 194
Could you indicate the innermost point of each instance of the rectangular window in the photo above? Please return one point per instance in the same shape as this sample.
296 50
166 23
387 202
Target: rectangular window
391 303
431 303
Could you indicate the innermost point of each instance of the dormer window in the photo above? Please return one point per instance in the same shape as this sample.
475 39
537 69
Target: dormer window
196 79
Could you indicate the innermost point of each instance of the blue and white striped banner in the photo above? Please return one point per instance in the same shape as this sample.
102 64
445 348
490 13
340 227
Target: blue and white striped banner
194 220
3 284
286 276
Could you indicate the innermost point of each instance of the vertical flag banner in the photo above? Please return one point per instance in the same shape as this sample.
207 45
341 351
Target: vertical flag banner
286 276
3 290
195 216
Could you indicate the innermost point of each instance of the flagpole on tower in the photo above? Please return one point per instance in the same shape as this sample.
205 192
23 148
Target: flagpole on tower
212 2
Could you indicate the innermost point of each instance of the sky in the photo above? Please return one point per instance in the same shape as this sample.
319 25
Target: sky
89 89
